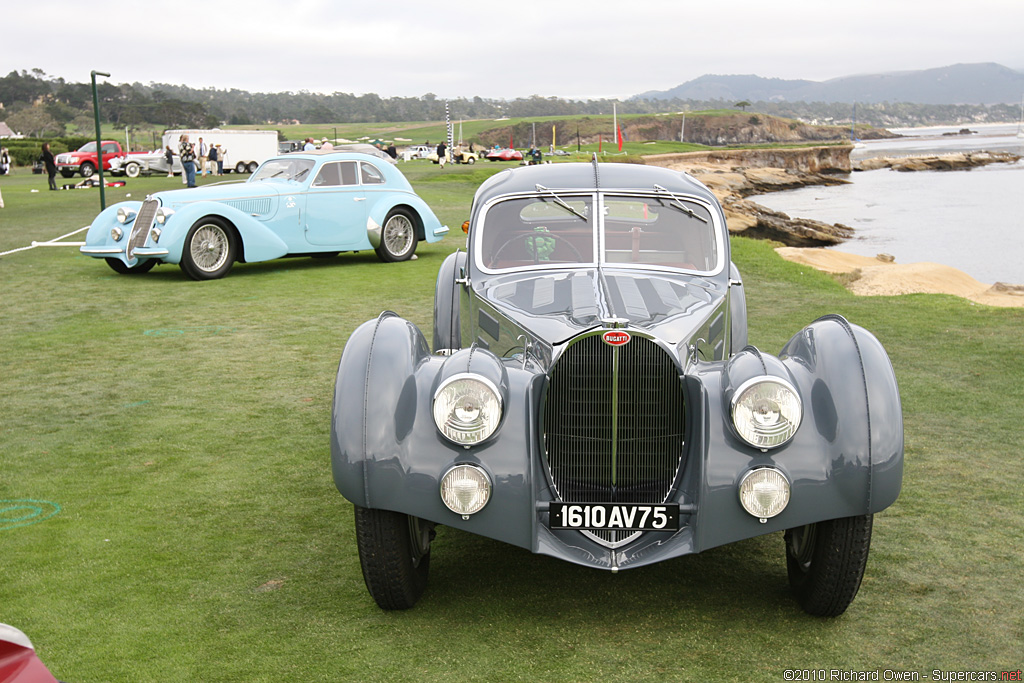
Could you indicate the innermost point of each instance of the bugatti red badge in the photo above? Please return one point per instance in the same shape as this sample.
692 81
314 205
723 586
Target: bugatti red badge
615 337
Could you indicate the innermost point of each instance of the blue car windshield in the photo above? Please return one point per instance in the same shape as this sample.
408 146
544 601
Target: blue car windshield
283 169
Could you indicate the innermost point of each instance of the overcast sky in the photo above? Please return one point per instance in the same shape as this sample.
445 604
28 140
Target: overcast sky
578 49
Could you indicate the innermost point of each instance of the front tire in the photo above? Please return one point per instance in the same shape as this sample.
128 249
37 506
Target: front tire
394 553
121 268
825 562
132 170
210 249
240 167
398 237
67 174
86 170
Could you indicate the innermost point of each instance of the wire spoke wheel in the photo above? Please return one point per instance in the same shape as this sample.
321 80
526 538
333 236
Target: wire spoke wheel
209 250
398 237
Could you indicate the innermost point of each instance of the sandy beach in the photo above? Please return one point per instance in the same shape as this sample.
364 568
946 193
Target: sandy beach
880 278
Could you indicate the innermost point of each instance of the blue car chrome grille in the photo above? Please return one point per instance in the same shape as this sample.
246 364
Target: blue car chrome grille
141 225
614 422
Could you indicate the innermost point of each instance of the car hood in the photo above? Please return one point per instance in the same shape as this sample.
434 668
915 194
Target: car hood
227 193
557 306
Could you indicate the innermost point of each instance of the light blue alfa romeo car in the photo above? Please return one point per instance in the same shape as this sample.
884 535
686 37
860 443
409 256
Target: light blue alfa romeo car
308 204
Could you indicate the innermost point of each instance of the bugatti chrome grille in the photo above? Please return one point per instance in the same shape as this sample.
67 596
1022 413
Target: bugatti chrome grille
614 422
140 227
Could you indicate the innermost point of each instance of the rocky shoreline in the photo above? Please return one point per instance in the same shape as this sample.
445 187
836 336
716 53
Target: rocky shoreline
734 175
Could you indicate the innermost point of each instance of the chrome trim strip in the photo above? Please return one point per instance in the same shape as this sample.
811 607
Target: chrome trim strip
102 250
151 251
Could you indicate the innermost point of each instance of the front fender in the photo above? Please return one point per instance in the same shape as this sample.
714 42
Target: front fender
259 243
846 459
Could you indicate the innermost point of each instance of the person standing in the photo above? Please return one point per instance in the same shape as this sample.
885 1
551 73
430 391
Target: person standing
188 160
309 146
441 150
169 158
5 161
51 165
203 151
213 160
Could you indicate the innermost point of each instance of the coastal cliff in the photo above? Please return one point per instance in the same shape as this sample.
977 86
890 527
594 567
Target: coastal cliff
734 175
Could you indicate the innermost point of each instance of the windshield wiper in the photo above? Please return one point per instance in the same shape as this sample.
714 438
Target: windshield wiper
679 204
561 202
300 174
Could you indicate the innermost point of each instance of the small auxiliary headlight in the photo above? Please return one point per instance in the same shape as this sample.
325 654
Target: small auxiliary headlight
766 412
467 409
116 233
163 214
125 215
764 492
154 234
465 489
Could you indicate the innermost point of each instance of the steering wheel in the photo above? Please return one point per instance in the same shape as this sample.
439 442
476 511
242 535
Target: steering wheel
534 236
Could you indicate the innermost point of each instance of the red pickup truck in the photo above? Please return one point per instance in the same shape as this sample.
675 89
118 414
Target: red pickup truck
84 161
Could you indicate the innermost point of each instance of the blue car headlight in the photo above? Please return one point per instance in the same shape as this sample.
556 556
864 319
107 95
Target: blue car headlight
125 215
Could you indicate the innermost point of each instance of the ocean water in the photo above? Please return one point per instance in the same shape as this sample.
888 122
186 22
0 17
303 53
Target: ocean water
970 220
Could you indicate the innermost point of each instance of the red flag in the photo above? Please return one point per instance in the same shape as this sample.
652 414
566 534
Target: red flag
510 145
598 144
618 133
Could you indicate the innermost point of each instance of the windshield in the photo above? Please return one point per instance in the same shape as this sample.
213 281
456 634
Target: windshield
283 169
638 231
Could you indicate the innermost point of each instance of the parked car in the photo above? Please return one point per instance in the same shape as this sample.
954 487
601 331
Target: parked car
85 161
506 154
591 396
418 152
309 203
135 164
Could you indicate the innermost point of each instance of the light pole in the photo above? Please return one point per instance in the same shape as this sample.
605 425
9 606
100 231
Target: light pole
99 138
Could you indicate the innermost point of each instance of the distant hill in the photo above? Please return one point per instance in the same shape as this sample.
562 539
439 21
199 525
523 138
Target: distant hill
957 84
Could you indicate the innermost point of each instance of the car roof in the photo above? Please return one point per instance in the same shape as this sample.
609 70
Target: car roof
588 176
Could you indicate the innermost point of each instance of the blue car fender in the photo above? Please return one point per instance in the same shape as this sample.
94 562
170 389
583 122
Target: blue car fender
259 243
427 221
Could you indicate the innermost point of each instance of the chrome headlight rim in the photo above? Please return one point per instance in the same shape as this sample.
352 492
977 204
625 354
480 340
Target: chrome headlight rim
766 439
470 501
125 215
765 475
116 233
471 436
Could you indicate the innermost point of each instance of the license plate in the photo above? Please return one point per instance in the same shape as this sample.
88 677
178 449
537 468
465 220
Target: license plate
627 517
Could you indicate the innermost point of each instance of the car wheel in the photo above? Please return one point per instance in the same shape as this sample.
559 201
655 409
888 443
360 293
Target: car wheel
209 249
119 266
826 562
132 170
251 168
240 167
471 160
66 174
394 552
398 237
86 170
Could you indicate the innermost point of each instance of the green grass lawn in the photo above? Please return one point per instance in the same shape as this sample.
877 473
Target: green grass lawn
182 429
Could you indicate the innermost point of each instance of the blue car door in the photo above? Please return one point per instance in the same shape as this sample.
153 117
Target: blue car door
336 208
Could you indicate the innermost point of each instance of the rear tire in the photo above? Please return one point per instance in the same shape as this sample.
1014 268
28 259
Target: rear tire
240 167
394 553
397 237
252 167
826 562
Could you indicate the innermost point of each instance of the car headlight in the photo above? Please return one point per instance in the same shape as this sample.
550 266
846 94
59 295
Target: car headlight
154 234
467 409
766 412
116 233
764 492
162 214
465 489
125 215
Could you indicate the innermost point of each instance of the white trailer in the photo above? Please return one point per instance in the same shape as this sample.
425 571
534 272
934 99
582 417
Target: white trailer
243 150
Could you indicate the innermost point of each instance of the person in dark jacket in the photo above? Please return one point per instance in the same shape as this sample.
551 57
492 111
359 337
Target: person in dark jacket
51 165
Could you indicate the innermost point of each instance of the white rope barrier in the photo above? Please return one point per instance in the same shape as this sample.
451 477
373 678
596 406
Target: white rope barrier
55 242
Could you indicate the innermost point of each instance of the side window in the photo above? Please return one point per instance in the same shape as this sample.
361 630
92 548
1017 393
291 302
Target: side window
371 174
348 173
328 176
110 149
